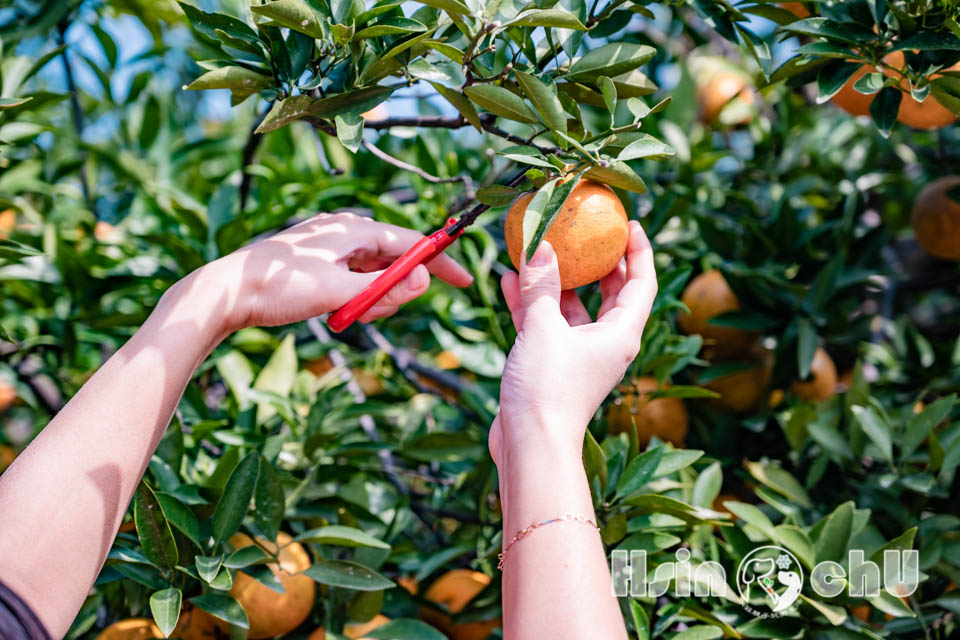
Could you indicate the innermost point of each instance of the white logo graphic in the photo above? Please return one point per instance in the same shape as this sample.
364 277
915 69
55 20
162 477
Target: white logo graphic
772 575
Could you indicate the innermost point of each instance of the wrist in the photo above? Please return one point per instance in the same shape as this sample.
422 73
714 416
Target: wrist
204 301
532 439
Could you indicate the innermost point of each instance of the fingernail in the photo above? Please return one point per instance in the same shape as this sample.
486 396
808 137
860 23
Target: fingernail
418 279
543 256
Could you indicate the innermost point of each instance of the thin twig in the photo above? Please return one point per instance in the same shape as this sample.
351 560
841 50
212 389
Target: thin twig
77 112
400 164
249 149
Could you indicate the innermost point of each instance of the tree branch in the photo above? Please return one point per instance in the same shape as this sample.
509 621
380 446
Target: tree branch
77 113
400 164
249 149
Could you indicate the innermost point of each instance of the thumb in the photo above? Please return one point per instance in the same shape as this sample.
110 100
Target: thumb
540 284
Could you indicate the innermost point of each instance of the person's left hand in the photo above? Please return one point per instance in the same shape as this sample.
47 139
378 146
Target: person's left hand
318 265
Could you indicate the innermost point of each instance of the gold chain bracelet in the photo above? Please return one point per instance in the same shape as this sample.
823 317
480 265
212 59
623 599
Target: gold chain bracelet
523 533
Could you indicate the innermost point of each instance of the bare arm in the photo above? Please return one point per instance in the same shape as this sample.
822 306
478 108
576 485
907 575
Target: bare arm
63 499
556 582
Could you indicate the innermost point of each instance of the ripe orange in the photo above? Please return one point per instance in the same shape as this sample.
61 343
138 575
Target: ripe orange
131 629
7 456
822 384
197 624
379 112
725 497
447 360
665 418
409 583
455 589
319 366
742 390
727 88
358 631
271 613
104 231
861 612
936 219
8 221
589 235
796 8
8 393
929 114
318 634
708 296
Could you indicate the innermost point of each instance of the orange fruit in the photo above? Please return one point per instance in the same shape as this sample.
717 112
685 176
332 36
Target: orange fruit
929 114
861 612
319 366
822 384
725 497
379 112
8 221
271 613
796 8
8 393
447 360
665 418
104 231
708 296
318 634
131 629
722 89
409 583
197 624
7 456
741 391
455 589
589 235
359 630
936 218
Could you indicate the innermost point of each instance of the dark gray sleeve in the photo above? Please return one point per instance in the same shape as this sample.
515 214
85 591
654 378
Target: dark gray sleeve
17 620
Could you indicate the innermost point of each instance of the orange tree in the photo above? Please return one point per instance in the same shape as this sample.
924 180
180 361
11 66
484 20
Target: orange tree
306 475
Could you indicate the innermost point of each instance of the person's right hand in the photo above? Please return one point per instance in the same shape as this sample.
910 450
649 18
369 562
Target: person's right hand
562 364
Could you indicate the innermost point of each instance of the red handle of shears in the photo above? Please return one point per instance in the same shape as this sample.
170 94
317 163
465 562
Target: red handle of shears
425 250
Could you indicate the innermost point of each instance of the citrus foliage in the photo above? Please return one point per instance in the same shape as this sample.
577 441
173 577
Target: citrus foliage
369 448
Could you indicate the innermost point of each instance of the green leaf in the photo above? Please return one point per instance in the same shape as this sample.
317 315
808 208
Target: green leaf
619 175
405 629
224 607
496 195
526 155
349 575
208 566
10 103
341 536
832 77
699 632
537 220
594 461
501 102
545 100
236 497
292 14
707 486
350 134
165 607
461 104
286 111
676 459
806 346
876 429
752 516
794 539
835 615
356 101
207 24
649 542
455 7
645 146
268 500
180 517
659 504
834 536
241 82
870 83
609 92
780 480
546 18
884 109
442 447
154 532
832 30
609 60
278 375
641 621
391 26
922 424
246 556
903 542
640 471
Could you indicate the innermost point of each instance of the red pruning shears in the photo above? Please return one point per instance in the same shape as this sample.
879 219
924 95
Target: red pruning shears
425 250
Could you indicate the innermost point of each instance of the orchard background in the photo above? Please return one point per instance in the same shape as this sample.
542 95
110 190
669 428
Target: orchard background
808 399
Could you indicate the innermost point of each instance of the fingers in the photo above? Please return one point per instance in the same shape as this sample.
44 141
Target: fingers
633 302
510 285
416 283
392 241
610 286
573 310
540 286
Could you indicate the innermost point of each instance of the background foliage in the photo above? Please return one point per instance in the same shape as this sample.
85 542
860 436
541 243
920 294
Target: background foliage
370 446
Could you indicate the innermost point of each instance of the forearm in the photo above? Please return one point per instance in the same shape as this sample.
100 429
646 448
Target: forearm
556 582
63 499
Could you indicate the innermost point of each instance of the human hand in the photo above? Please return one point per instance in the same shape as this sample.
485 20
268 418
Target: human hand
563 365
317 266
